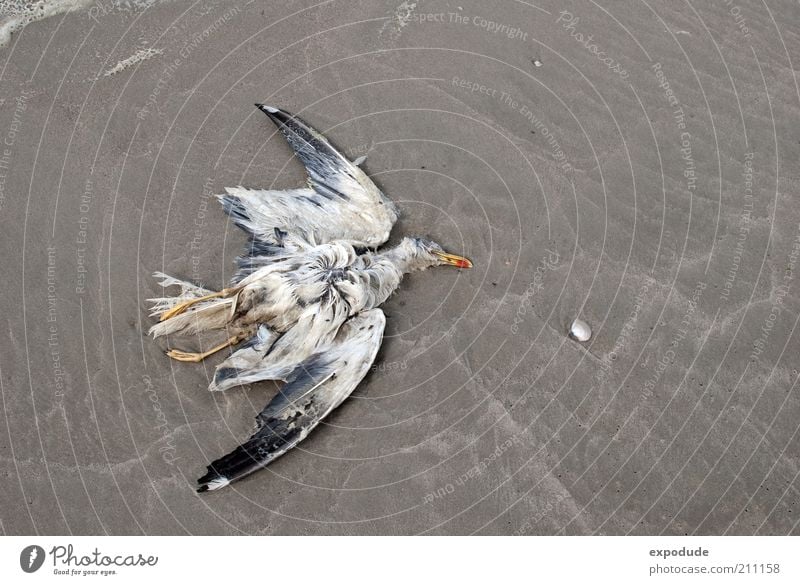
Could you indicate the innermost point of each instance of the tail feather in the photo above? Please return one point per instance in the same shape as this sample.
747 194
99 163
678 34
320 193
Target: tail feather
187 288
188 292
204 316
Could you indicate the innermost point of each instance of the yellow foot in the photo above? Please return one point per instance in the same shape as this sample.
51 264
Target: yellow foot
181 307
185 356
188 356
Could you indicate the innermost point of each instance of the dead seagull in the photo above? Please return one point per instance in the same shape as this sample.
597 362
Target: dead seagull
305 298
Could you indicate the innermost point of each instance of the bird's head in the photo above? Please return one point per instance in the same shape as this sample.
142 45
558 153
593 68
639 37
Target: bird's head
424 253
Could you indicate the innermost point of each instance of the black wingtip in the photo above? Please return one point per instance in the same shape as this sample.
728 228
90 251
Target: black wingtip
210 476
278 116
269 110
202 488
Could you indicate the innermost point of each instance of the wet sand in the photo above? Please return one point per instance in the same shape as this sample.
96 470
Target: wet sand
632 165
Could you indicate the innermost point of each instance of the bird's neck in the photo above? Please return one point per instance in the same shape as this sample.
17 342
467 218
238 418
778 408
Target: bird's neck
386 270
400 258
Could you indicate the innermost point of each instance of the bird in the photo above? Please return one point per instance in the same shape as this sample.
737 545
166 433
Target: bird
303 306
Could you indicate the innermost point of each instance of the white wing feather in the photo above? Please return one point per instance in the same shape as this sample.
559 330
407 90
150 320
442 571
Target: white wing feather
340 203
315 387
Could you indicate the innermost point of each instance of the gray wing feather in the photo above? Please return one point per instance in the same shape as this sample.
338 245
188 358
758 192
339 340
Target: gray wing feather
249 362
314 388
270 355
341 203
261 214
330 173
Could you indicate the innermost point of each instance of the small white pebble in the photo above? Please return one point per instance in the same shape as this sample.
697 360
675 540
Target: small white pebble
580 330
537 62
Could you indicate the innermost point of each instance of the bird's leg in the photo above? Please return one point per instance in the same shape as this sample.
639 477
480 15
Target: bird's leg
181 307
188 356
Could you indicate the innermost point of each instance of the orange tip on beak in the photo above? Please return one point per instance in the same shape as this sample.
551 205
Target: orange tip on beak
454 260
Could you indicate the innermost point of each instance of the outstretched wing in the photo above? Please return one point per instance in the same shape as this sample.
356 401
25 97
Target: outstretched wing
263 247
340 203
315 387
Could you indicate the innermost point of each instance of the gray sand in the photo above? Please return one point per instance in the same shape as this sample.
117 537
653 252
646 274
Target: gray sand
644 179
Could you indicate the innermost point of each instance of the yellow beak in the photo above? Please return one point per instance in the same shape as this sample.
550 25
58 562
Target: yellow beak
454 260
